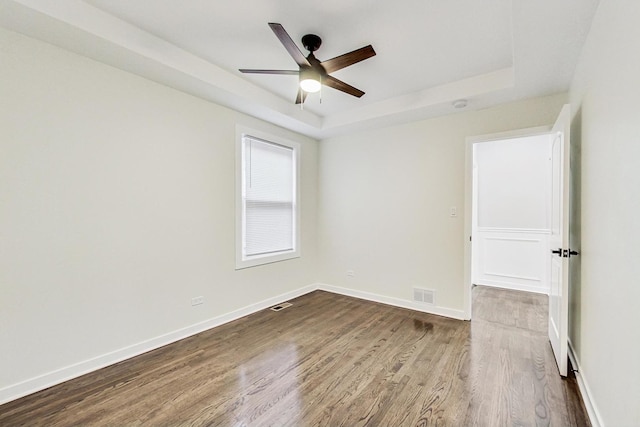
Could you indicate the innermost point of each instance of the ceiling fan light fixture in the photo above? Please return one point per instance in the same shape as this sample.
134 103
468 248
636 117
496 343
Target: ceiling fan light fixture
310 81
310 85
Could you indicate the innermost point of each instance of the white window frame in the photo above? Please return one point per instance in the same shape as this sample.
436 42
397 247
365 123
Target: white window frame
243 261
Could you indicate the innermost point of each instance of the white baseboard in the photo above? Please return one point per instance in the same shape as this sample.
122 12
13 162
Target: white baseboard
512 286
592 412
412 305
32 385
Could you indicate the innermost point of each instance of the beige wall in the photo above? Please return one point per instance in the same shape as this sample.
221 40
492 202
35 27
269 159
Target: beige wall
604 316
116 208
385 196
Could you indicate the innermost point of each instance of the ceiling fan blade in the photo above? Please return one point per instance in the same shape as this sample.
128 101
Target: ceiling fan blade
347 59
342 86
291 47
302 95
285 72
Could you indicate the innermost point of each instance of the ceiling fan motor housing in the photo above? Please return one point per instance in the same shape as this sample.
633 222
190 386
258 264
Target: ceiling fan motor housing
311 42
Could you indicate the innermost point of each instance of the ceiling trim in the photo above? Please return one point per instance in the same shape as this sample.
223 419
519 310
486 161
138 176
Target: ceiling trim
87 30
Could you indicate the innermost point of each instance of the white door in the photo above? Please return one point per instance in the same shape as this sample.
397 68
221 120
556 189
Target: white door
559 240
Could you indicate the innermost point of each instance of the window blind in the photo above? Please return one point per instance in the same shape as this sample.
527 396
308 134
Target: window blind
269 198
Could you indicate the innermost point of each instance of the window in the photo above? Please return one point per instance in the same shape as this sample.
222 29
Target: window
267 200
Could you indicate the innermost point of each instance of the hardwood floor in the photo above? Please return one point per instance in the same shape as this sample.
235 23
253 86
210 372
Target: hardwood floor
331 360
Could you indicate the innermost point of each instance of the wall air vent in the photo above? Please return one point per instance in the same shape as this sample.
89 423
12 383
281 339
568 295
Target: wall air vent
427 296
280 306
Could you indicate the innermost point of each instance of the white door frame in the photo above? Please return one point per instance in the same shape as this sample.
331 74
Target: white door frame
468 197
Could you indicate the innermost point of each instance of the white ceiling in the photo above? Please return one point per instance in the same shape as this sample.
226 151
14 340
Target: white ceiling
429 52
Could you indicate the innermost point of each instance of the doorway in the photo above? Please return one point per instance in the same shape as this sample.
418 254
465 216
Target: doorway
508 203
511 214
559 223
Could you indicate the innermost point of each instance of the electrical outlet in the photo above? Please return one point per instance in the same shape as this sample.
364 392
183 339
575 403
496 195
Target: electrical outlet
350 273
197 300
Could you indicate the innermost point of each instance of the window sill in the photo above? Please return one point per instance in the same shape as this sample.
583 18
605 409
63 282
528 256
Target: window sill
266 259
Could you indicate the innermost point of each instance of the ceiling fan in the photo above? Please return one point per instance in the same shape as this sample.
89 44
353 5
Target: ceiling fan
313 73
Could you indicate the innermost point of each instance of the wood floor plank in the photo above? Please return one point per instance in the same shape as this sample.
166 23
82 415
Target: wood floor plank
331 360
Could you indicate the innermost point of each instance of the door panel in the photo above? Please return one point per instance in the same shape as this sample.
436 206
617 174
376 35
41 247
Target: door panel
559 240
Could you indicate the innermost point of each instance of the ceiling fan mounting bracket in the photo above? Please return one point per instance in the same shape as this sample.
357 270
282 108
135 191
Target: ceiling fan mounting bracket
311 42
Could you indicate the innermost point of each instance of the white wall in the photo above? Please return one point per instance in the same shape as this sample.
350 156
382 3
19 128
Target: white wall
606 127
116 208
512 224
514 183
385 196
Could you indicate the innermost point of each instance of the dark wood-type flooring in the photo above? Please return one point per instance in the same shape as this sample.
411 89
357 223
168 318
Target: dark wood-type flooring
331 360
